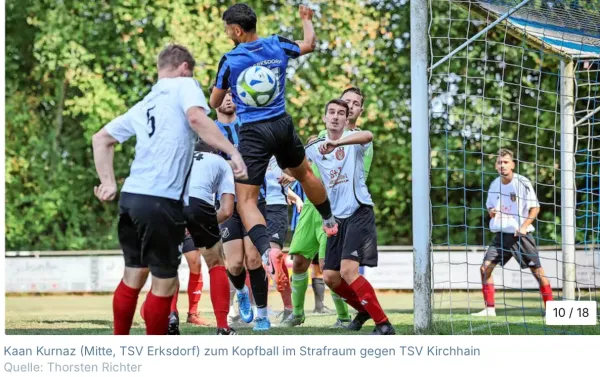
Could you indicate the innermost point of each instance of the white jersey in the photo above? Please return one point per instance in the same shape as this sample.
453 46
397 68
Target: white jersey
164 139
211 177
343 175
512 203
275 191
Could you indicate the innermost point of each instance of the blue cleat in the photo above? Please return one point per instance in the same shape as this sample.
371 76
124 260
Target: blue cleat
246 313
262 324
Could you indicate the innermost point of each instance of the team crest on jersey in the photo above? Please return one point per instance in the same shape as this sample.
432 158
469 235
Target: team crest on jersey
224 233
340 154
513 196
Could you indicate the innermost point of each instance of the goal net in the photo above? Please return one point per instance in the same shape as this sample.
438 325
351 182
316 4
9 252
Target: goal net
525 76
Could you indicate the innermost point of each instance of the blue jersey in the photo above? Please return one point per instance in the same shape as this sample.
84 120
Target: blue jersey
272 52
230 131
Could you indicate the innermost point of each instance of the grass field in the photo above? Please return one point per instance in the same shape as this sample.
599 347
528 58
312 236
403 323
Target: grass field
92 315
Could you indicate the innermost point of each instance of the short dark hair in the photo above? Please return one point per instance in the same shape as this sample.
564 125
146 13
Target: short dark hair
174 55
242 15
355 89
339 102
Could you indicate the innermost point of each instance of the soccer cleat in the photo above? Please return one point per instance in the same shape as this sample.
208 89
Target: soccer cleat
330 230
173 324
487 312
323 311
285 314
244 306
229 331
293 321
262 324
340 324
195 319
384 328
358 321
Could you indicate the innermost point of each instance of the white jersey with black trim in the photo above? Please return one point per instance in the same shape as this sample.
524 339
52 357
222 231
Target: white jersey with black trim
164 139
343 175
211 177
275 191
512 203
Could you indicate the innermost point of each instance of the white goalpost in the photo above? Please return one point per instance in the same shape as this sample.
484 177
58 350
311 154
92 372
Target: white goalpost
491 74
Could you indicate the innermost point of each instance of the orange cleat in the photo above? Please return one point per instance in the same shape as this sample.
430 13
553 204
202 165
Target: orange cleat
196 320
280 277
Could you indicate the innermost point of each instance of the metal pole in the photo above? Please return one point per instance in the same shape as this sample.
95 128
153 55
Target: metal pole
419 42
567 175
490 26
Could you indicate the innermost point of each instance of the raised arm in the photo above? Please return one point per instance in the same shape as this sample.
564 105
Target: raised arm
308 44
360 137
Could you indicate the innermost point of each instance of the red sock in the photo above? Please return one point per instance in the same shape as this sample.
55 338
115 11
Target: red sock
194 292
219 294
344 291
124 302
174 301
546 291
365 292
156 314
286 293
488 295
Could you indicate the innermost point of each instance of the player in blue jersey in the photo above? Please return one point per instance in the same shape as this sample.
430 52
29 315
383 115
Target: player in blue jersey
266 131
240 253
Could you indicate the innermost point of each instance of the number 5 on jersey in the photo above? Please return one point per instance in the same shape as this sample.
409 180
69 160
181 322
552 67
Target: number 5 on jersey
151 121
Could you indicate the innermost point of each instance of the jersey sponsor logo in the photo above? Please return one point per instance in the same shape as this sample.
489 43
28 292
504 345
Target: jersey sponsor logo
513 196
269 62
340 154
336 177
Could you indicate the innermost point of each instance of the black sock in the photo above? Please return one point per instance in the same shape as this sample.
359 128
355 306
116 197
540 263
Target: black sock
260 238
324 209
260 286
238 281
319 290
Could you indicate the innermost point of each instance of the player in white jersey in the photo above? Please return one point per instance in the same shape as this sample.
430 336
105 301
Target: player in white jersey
152 224
340 159
513 207
278 196
211 180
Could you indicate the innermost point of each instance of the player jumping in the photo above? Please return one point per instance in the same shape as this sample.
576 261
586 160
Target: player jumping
513 207
151 221
266 131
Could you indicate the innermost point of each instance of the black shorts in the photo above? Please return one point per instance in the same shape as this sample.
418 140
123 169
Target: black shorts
233 228
315 260
258 141
356 240
277 223
151 232
506 245
201 218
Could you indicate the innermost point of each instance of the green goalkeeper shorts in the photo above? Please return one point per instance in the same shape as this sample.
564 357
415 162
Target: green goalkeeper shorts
309 236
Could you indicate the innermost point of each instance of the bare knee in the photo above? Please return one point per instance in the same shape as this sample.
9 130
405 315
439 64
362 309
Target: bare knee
302 172
486 271
214 256
164 287
349 274
135 277
332 278
253 259
300 264
194 261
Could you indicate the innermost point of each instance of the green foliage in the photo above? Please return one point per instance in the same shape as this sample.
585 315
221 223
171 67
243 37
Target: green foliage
72 66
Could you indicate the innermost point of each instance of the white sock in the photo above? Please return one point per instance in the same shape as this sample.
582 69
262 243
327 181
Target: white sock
243 290
262 312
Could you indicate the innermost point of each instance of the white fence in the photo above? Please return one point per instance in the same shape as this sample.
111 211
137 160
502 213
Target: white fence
55 272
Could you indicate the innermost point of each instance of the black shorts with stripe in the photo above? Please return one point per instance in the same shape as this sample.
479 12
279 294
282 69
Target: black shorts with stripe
356 240
506 246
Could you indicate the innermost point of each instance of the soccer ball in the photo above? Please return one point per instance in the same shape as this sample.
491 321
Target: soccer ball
257 86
